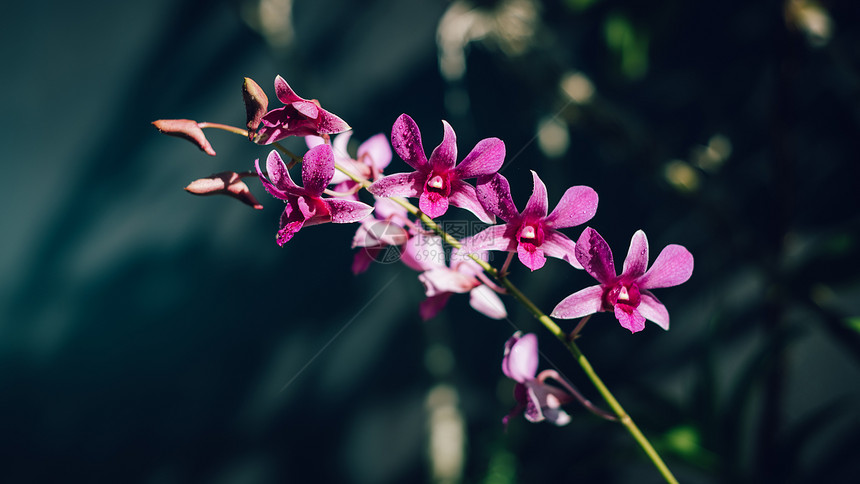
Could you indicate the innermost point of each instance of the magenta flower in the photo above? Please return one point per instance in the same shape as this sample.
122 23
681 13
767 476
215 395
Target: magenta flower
532 234
298 117
427 254
539 400
304 205
627 295
437 182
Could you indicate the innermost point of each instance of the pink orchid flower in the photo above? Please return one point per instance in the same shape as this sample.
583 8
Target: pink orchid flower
427 254
298 117
539 400
437 182
532 234
627 295
304 204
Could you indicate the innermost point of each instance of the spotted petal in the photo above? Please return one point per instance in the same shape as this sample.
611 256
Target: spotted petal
637 256
494 193
444 156
317 169
406 141
595 256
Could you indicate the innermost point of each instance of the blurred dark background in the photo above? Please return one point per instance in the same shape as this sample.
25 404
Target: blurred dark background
150 336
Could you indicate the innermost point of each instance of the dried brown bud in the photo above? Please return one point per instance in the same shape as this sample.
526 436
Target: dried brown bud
187 129
256 104
225 183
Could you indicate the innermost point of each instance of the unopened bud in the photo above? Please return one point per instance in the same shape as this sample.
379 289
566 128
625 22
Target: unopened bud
256 104
187 129
225 183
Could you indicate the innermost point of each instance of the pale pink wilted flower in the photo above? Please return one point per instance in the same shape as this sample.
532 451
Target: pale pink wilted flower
426 254
532 234
539 400
298 117
382 234
627 295
438 182
372 158
304 204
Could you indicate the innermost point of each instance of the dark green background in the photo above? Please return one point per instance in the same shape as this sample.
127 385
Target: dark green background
150 336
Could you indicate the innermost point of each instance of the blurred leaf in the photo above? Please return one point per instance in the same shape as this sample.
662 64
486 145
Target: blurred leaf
853 323
685 441
630 46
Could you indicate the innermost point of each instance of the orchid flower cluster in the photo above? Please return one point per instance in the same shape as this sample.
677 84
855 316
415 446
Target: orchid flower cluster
332 180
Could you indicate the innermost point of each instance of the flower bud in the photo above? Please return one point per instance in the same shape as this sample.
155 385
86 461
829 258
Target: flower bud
225 183
256 104
187 129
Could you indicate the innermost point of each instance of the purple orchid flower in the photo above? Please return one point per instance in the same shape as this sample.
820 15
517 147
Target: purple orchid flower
539 400
298 117
532 234
427 254
437 182
627 295
304 205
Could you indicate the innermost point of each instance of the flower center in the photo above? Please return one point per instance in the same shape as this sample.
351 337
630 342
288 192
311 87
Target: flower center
531 235
438 183
624 293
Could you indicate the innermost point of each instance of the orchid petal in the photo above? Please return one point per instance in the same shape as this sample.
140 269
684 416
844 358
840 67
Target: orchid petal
433 204
637 256
377 149
406 141
423 253
595 256
314 210
378 233
558 245
549 399
347 211
577 206
292 221
494 193
306 108
443 279
399 185
521 359
533 412
537 204
317 169
673 266
444 156
633 320
487 302
328 123
581 303
465 196
485 159
284 92
491 238
340 146
431 306
534 259
653 310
